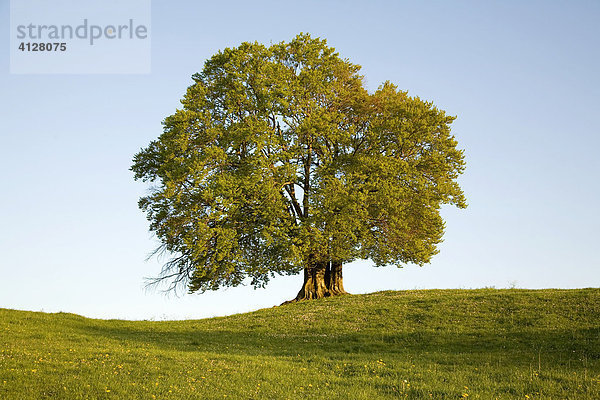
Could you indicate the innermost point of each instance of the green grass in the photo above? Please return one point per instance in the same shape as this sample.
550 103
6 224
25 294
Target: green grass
440 344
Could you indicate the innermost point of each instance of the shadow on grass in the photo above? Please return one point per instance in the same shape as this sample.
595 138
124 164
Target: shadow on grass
559 346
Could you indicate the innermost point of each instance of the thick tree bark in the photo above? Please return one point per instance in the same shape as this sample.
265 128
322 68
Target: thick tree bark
335 286
321 279
314 282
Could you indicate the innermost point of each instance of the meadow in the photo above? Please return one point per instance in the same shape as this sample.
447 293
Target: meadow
425 344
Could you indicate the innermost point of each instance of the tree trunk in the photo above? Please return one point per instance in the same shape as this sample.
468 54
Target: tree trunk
321 279
335 286
314 282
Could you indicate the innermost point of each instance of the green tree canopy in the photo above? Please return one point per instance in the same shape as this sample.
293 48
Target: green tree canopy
281 162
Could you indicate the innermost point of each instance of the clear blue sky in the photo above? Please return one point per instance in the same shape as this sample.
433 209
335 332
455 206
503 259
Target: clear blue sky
522 77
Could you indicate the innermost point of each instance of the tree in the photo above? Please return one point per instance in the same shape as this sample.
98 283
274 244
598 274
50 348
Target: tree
281 162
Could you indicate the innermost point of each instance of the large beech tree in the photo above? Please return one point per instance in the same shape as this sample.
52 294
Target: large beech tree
281 162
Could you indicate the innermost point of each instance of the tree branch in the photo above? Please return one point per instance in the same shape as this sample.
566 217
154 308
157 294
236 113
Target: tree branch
289 188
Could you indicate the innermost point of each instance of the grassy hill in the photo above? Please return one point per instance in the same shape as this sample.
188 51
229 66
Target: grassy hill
440 344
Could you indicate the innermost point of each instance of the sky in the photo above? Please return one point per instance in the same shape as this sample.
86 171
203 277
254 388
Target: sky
521 77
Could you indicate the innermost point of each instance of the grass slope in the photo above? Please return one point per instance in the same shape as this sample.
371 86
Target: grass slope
440 344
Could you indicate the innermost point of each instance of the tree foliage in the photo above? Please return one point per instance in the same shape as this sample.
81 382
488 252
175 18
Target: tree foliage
280 159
